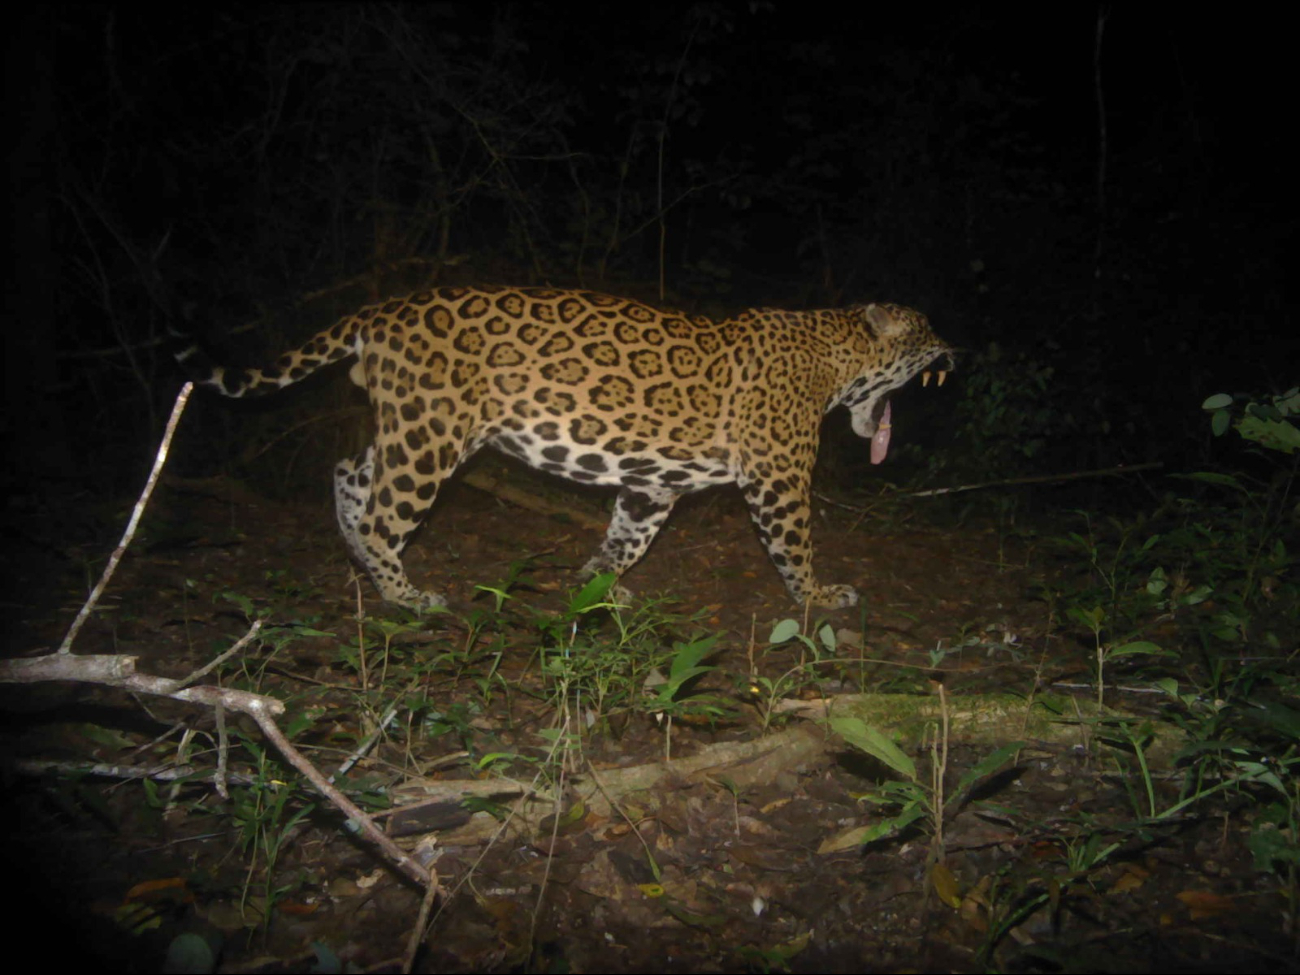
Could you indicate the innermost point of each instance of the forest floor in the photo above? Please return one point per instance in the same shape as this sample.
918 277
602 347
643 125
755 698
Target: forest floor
1050 861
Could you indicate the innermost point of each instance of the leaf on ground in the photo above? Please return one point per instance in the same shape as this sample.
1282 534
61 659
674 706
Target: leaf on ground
1203 903
945 885
848 839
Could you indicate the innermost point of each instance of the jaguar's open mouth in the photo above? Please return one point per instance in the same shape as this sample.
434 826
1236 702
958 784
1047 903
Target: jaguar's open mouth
884 423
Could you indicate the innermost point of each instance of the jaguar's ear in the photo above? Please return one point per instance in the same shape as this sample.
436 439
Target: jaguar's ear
884 323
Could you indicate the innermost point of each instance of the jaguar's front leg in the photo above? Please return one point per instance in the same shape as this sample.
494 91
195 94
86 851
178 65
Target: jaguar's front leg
782 514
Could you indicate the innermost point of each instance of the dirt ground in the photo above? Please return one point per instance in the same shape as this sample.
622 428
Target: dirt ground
708 876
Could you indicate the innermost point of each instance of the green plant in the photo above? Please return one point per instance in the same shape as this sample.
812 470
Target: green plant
775 958
601 674
1011 898
1095 620
1269 424
1192 566
1268 514
917 797
991 638
265 813
1116 563
1243 739
683 667
788 630
287 589
357 655
771 691
1275 841
1088 842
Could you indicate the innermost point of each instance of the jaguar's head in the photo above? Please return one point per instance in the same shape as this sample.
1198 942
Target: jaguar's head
902 344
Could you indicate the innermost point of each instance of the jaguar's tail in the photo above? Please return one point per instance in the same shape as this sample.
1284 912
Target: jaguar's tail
337 342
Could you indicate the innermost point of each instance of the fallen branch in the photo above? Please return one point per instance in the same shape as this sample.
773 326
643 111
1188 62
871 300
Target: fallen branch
119 671
742 763
1050 723
1043 479
158 773
523 498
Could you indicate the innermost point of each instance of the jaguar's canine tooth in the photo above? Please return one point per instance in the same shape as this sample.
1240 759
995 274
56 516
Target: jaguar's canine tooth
943 374
925 378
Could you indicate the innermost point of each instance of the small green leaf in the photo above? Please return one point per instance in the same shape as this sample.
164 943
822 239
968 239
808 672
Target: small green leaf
1268 846
1091 618
1156 581
827 637
881 829
1136 647
1280 718
243 602
1214 477
593 594
1275 434
785 630
870 740
1217 402
989 764
1259 772
847 839
190 954
687 656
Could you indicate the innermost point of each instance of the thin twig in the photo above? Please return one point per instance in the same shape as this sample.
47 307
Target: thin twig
356 816
381 726
864 509
159 460
159 773
221 775
416 937
222 658
1044 479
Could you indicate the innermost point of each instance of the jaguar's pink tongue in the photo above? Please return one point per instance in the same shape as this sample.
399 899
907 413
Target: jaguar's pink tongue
880 442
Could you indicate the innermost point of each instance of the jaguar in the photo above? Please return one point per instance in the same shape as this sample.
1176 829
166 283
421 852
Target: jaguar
600 390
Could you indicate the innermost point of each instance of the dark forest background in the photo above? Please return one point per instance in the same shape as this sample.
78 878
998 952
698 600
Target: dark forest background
1093 203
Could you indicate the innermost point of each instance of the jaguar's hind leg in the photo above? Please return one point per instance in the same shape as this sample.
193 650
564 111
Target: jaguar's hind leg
352 480
376 521
403 486
639 513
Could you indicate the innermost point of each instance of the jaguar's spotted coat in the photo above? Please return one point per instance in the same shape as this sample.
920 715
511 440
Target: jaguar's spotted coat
601 390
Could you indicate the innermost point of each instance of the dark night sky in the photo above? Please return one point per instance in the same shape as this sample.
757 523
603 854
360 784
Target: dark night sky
1183 95
1167 80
